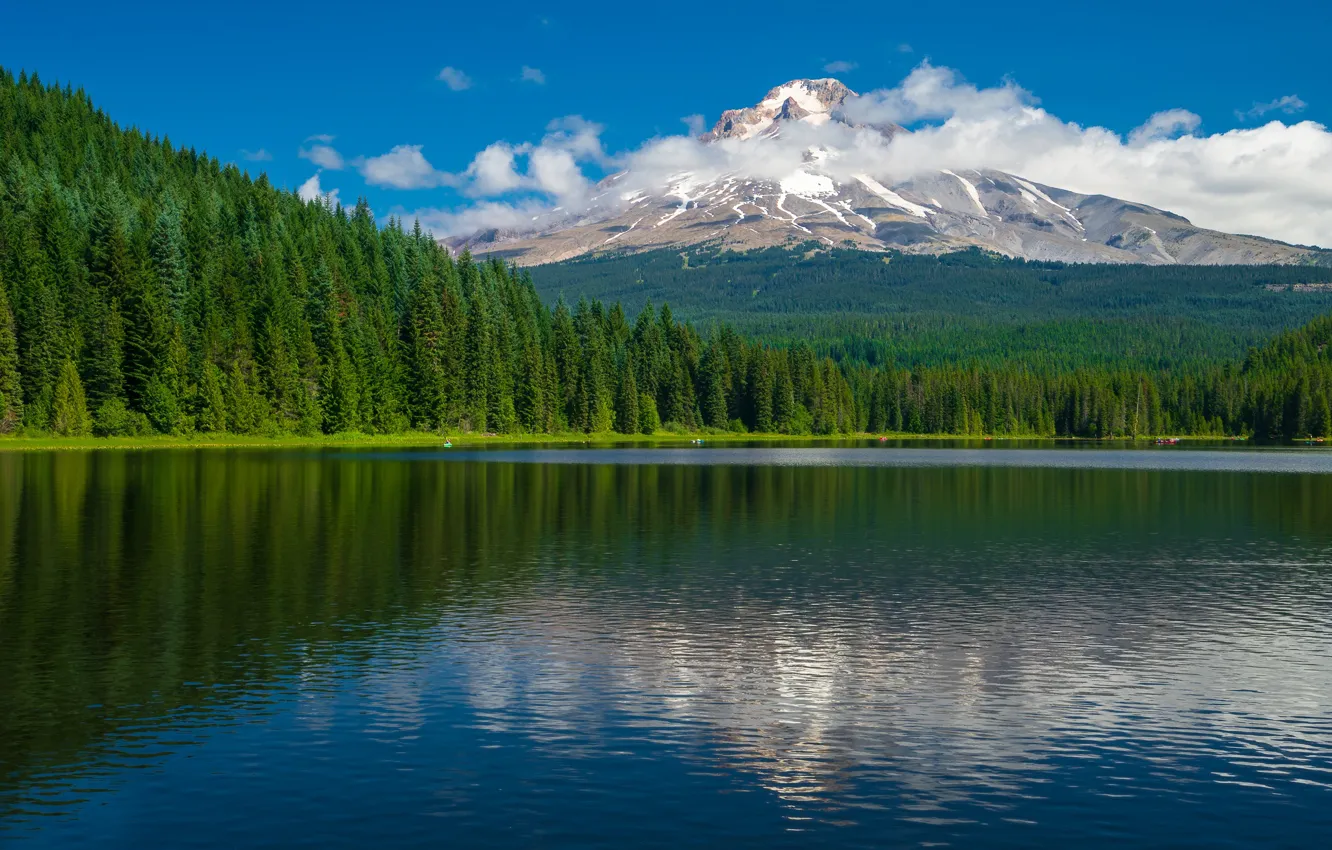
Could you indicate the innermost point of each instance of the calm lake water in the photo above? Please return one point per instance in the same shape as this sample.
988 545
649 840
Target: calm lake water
615 648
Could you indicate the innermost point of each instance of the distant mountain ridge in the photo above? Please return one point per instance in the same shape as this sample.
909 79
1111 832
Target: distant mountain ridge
937 212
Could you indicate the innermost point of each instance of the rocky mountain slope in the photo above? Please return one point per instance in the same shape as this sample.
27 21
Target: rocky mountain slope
932 213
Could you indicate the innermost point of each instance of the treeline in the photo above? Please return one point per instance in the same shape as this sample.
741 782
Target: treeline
913 310
146 288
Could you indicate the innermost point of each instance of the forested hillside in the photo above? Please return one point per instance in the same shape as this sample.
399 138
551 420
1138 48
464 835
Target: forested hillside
146 287
914 310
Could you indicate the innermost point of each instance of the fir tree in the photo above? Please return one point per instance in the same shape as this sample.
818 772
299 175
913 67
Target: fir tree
627 419
212 415
11 390
69 410
104 351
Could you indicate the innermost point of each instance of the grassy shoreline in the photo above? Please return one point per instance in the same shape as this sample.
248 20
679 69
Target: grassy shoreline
234 441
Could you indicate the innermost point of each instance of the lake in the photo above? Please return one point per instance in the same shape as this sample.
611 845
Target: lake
750 646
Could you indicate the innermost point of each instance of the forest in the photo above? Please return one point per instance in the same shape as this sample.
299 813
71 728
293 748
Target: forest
146 288
922 309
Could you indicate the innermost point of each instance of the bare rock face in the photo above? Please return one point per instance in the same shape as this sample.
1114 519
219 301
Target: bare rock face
794 101
792 111
933 213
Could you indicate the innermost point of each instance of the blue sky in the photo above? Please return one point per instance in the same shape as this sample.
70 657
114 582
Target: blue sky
248 76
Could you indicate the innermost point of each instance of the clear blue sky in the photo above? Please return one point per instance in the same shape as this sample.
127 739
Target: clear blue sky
249 76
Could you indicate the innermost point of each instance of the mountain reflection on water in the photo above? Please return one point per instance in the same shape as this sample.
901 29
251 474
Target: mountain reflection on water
341 645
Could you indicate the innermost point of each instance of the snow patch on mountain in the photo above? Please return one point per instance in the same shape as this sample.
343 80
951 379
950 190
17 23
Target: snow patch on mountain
891 197
807 184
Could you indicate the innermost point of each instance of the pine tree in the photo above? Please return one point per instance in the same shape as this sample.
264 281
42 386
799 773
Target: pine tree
529 393
648 420
41 329
478 361
69 410
714 390
104 350
627 420
168 255
568 354
11 390
147 335
244 400
425 369
340 390
212 414
1322 417
111 266
761 381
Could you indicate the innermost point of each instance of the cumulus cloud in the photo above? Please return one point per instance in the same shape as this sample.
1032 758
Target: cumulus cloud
310 190
324 156
533 75
260 155
1274 180
515 217
1290 105
931 92
403 167
839 67
1165 125
453 78
552 168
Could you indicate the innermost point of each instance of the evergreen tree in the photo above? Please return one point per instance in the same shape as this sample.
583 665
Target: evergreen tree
104 351
212 417
648 420
761 401
627 419
714 397
11 390
168 255
424 356
69 410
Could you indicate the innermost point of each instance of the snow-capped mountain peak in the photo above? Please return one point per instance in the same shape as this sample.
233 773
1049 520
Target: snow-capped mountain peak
812 101
825 199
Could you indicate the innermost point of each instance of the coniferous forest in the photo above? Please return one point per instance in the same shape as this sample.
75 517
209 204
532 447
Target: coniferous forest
148 288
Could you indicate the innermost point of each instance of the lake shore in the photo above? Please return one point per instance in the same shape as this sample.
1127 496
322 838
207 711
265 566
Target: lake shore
409 440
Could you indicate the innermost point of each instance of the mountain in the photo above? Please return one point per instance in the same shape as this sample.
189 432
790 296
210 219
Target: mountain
933 213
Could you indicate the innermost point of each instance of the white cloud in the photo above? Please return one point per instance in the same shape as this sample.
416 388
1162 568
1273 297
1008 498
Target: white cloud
403 167
323 156
552 168
533 75
1290 105
486 215
1274 180
260 155
904 48
310 190
1165 125
322 138
931 92
493 170
839 67
454 79
697 124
